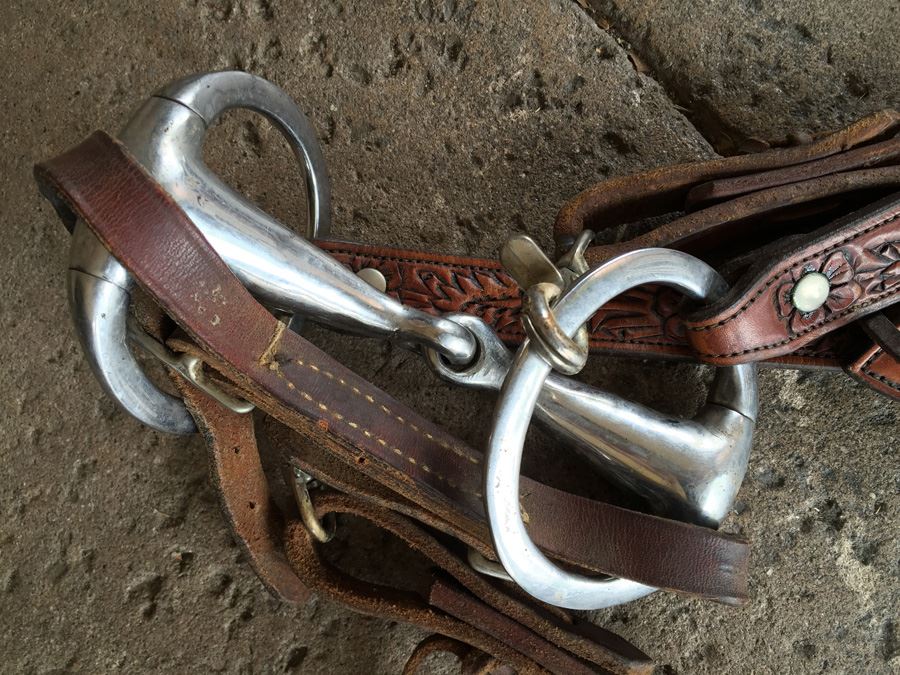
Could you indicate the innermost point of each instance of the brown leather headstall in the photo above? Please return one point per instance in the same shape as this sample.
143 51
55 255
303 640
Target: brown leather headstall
767 222
764 221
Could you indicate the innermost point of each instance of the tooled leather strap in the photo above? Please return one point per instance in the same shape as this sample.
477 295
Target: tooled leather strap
788 193
860 256
643 321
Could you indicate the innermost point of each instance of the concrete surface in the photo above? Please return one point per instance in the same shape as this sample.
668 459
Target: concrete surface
447 125
753 70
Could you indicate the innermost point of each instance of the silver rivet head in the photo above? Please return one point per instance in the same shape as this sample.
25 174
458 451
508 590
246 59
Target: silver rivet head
373 277
811 292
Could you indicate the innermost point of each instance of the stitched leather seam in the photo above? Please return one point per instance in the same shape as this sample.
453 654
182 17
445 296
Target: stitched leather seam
371 400
786 269
807 330
420 261
600 340
811 353
875 376
275 367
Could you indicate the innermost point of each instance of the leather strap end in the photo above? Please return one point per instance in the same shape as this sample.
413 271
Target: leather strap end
879 365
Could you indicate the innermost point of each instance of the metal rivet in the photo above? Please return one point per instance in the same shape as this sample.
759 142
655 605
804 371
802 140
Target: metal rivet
811 292
373 277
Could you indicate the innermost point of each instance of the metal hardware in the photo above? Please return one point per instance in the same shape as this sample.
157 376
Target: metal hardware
810 292
543 283
620 589
687 468
188 366
302 484
487 567
525 262
565 354
281 269
573 264
650 451
374 278
98 300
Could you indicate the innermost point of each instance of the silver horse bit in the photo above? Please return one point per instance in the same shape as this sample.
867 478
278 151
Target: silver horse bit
687 469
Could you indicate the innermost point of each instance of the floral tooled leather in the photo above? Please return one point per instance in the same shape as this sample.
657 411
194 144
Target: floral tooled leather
643 321
851 277
859 256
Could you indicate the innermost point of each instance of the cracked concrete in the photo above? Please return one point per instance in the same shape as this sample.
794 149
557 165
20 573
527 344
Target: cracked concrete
446 125
755 70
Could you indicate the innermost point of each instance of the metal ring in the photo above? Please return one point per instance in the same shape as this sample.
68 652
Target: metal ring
521 558
165 135
301 484
564 354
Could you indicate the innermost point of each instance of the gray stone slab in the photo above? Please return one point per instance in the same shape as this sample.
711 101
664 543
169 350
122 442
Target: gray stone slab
448 126
763 68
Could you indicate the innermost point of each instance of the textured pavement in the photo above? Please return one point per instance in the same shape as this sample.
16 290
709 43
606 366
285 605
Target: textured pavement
446 125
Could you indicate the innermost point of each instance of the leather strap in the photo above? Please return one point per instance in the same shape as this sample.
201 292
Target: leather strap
764 220
645 321
879 365
484 617
860 255
415 463
631 198
307 390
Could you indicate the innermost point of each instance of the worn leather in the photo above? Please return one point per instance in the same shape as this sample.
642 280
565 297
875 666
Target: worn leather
242 487
664 190
763 220
486 618
414 464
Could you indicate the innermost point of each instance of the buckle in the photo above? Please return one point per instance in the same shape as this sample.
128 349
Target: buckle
301 485
188 366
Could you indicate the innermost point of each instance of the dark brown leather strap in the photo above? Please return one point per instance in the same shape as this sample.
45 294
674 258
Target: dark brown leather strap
414 461
631 198
777 215
307 390
485 617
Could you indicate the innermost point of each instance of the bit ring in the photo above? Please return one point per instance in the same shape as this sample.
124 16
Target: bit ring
517 552
564 354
